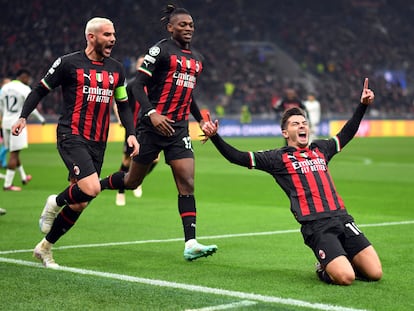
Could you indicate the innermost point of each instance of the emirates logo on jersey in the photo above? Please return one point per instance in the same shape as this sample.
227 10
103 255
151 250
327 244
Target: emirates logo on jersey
184 79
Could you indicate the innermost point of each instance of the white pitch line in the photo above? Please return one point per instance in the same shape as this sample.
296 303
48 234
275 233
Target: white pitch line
223 236
189 287
233 305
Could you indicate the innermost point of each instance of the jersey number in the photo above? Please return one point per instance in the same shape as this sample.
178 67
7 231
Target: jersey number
11 103
353 227
187 143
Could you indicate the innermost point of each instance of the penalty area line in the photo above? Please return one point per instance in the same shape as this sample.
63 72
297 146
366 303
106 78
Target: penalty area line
189 287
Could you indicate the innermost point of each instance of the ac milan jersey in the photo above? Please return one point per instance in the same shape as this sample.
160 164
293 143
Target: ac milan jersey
170 76
134 105
88 89
303 175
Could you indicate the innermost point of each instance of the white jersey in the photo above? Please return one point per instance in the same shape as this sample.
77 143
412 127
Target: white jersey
12 97
314 111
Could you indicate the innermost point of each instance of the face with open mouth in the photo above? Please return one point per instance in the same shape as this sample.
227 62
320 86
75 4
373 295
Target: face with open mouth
297 131
104 41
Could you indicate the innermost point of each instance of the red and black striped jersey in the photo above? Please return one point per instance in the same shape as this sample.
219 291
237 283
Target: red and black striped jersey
88 89
170 74
304 176
302 173
134 105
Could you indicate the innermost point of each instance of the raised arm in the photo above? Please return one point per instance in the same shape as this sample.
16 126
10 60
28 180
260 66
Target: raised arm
233 155
351 127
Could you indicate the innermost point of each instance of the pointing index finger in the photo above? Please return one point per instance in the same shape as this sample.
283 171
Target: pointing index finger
366 83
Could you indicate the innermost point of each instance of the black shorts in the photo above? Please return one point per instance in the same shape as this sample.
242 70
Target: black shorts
81 157
175 147
333 237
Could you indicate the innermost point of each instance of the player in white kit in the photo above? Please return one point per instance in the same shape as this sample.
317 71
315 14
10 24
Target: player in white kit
313 108
12 97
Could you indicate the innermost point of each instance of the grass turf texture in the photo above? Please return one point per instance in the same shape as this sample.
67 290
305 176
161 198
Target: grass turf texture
373 175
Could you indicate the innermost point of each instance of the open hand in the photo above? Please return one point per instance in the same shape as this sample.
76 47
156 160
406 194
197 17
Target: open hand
162 124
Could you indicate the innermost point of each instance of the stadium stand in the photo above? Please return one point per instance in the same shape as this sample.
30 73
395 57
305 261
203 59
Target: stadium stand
327 47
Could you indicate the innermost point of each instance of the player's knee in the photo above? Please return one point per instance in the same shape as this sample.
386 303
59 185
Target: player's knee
91 190
131 184
342 275
132 181
344 278
375 275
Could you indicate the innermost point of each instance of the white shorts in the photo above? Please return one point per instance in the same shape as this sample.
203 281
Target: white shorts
15 143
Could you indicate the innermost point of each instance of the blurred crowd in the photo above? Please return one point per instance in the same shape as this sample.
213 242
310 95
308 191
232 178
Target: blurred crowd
337 43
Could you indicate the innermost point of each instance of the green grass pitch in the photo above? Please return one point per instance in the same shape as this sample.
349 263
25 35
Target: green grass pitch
131 257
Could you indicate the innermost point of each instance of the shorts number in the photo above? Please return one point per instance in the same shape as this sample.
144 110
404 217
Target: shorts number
187 143
353 227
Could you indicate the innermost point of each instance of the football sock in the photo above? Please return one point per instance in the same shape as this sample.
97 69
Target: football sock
71 195
114 181
22 173
187 210
124 169
8 181
63 222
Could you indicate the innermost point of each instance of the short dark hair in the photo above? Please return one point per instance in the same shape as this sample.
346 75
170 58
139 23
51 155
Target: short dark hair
295 111
171 10
22 72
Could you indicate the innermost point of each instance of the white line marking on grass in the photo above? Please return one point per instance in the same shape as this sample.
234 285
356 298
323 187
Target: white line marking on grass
233 305
223 236
193 288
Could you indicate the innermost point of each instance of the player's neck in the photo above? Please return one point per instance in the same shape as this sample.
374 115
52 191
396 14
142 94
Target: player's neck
182 45
92 55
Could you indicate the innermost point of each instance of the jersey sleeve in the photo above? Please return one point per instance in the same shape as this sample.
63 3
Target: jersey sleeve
51 80
121 94
121 98
329 147
154 58
264 160
53 77
335 144
232 154
38 116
